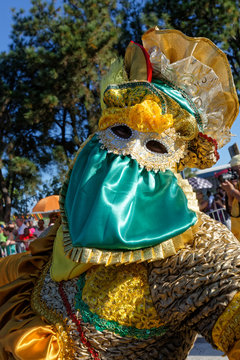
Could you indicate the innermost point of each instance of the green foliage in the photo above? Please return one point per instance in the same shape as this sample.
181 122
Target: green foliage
188 173
49 95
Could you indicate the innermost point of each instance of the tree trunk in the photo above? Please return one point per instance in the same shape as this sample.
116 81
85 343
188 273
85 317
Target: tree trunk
7 204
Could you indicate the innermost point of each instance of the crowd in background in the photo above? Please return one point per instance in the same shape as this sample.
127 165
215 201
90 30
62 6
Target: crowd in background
16 236
224 204
214 205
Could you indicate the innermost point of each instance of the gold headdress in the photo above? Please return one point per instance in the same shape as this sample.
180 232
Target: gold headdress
175 81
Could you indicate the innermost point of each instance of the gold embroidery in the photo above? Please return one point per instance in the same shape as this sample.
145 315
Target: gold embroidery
132 93
121 294
40 306
201 154
122 100
66 344
227 328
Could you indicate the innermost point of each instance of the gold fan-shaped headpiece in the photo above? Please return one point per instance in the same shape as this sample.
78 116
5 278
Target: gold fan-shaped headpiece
201 70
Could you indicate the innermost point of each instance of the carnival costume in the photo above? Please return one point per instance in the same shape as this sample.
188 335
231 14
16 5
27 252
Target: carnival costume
135 270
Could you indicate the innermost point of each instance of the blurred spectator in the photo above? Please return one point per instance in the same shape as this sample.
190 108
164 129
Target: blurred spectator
21 226
10 243
210 199
2 236
219 208
31 227
3 239
202 203
20 246
53 217
40 229
219 199
232 189
27 237
8 232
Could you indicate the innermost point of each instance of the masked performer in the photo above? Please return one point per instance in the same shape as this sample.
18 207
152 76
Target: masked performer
135 270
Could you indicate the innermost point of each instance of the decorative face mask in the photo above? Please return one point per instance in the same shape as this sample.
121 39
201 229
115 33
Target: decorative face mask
153 151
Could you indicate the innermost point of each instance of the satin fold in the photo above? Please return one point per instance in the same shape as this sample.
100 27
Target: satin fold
234 353
174 94
23 334
62 267
112 203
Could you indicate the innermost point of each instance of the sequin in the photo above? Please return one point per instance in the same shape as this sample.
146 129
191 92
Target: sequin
136 148
119 300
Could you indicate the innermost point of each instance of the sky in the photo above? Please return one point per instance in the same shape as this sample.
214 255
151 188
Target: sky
5 30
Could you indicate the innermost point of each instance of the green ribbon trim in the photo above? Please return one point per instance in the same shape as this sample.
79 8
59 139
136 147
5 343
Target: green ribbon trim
103 324
180 97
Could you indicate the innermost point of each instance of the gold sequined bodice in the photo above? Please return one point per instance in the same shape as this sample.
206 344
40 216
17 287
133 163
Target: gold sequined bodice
121 293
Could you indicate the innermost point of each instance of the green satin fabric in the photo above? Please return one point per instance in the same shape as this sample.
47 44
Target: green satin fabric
174 94
111 203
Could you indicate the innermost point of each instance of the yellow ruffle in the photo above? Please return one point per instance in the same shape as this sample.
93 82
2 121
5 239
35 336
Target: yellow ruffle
69 262
145 116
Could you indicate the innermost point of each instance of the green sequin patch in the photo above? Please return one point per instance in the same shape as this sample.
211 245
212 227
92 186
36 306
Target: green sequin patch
103 324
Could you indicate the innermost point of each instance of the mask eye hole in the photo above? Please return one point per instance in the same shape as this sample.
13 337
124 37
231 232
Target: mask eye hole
122 131
156 146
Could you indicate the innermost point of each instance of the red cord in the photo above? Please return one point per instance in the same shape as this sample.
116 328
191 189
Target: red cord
72 316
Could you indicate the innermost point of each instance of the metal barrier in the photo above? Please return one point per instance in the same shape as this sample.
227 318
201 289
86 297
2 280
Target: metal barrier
221 216
11 249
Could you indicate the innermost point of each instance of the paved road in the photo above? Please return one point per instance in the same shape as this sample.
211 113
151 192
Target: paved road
203 351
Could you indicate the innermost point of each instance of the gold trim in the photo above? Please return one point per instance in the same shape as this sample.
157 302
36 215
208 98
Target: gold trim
188 191
129 303
226 330
39 306
107 257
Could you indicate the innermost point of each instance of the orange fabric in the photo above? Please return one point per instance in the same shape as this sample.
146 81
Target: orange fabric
234 354
23 334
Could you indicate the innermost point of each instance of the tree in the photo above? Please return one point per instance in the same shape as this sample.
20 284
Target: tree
50 88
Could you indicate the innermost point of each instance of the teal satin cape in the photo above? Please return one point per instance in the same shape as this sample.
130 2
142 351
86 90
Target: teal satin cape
112 203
